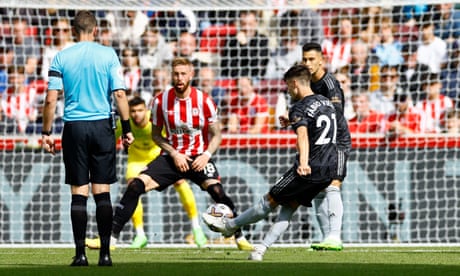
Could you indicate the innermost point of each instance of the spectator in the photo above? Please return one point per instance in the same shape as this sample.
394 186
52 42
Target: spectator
447 22
405 120
187 47
36 124
450 75
206 82
106 36
361 66
248 110
345 83
7 125
366 119
412 73
286 55
131 71
20 98
451 118
432 50
368 20
127 26
382 99
247 53
433 106
337 49
6 60
26 48
388 50
298 19
154 50
157 81
61 38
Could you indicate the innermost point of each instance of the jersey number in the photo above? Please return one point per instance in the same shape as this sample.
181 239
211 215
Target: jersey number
325 121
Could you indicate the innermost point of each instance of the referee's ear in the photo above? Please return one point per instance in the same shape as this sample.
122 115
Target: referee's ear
95 30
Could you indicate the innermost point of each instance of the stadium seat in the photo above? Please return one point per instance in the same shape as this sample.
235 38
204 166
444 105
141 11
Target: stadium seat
213 38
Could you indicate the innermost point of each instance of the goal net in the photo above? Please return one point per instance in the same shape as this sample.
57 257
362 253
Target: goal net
399 189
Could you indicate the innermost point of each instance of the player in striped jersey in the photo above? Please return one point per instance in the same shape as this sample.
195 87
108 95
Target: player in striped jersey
140 153
193 133
328 204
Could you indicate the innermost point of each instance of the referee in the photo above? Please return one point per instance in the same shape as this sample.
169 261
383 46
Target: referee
88 74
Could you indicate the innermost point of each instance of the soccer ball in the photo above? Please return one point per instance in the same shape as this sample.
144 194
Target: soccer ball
219 210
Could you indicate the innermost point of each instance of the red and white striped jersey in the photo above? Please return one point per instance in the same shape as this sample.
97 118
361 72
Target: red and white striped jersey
186 120
20 106
433 110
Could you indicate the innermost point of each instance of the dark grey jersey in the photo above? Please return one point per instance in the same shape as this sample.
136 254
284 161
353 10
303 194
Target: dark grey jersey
329 87
318 115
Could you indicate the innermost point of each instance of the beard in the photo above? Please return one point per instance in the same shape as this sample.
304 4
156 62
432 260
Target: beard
180 89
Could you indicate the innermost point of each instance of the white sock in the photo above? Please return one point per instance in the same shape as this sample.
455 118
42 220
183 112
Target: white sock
322 213
140 231
195 223
279 227
334 200
113 240
251 215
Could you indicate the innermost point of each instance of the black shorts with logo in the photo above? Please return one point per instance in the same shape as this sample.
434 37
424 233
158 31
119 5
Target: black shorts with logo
164 172
89 152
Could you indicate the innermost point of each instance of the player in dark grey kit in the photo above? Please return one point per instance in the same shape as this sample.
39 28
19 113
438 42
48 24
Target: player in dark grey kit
328 204
313 119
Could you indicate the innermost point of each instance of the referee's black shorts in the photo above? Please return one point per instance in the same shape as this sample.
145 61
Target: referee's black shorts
88 149
293 187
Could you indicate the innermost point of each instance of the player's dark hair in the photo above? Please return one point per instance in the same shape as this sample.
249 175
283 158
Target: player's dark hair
298 71
309 46
84 22
136 100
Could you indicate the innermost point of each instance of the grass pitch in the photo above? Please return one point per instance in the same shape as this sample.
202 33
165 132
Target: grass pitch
229 261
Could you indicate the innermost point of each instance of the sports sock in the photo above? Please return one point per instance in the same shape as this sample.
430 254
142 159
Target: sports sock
334 200
217 193
322 213
251 215
138 219
79 220
104 215
279 227
127 205
187 198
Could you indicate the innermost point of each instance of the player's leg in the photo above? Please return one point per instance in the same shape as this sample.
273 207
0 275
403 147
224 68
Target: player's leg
187 199
79 219
104 213
277 229
333 209
228 226
218 194
322 210
140 240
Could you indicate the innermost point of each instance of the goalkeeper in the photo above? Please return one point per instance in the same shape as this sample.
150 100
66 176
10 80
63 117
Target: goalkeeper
141 152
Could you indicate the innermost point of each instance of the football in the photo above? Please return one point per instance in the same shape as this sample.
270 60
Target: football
219 210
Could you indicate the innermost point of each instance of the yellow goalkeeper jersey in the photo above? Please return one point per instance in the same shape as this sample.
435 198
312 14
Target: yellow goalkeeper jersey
142 150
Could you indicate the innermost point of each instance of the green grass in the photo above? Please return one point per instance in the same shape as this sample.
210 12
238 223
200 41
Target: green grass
229 261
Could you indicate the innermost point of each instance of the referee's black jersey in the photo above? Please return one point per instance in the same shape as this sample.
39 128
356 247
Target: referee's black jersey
329 87
318 115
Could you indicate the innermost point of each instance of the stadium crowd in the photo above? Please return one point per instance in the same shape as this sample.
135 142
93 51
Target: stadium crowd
398 66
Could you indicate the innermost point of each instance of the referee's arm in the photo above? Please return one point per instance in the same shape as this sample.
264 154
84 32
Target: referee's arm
48 116
123 110
49 109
